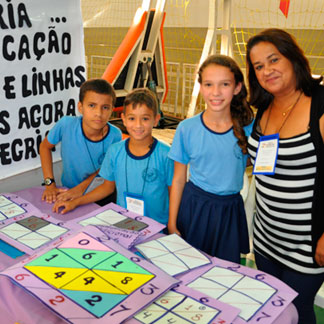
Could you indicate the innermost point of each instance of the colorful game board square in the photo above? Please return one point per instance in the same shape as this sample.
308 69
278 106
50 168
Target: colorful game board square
56 276
126 282
192 257
131 224
246 304
96 303
208 287
4 201
111 217
93 221
59 280
52 231
11 210
33 223
83 241
170 299
33 240
256 289
88 258
228 278
15 230
120 263
195 312
91 281
150 314
54 258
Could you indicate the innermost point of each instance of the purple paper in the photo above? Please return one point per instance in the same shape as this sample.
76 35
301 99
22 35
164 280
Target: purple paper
185 305
114 215
13 208
87 281
172 254
260 296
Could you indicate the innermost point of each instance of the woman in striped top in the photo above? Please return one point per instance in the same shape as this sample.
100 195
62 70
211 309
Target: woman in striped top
289 222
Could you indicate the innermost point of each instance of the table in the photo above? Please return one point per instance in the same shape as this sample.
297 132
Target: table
18 306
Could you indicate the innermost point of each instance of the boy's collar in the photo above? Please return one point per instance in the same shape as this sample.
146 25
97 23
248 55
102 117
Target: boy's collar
142 157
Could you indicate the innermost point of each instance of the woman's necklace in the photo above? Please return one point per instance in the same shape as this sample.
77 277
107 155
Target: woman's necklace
284 114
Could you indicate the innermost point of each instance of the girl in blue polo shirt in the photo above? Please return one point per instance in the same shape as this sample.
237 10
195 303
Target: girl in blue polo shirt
208 211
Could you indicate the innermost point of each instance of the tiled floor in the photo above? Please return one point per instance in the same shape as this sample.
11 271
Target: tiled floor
319 311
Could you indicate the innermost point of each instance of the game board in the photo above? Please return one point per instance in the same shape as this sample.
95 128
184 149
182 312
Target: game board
186 306
260 297
12 206
32 232
114 215
126 238
172 254
90 282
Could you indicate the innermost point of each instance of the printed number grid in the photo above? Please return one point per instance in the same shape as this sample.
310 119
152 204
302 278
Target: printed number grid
111 217
174 307
9 209
236 289
95 280
172 254
33 231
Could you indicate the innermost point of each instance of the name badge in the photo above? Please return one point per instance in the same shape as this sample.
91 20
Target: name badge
96 182
135 203
267 153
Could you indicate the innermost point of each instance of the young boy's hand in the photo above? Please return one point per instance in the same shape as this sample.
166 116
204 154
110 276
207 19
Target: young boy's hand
50 193
66 205
72 193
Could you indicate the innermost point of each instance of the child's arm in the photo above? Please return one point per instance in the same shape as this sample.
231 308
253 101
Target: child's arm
45 151
96 194
178 182
78 190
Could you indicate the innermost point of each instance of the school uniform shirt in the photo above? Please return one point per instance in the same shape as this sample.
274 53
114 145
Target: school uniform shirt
80 156
216 162
149 176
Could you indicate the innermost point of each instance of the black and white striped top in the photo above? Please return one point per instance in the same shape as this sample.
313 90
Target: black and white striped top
282 226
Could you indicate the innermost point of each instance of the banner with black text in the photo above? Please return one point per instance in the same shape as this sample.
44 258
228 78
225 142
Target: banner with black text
42 67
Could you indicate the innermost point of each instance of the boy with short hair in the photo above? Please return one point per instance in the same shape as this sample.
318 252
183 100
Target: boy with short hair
84 142
139 166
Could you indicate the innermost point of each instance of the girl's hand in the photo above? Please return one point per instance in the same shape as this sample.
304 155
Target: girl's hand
173 230
319 253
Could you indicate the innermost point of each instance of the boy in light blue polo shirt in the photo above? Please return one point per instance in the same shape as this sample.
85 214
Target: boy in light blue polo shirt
84 142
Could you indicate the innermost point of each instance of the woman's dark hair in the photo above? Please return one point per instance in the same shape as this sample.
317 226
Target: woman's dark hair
288 47
241 112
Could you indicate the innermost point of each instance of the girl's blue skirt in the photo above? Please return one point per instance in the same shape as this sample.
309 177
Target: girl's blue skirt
212 223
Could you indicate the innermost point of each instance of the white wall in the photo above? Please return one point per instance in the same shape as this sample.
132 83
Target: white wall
29 179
